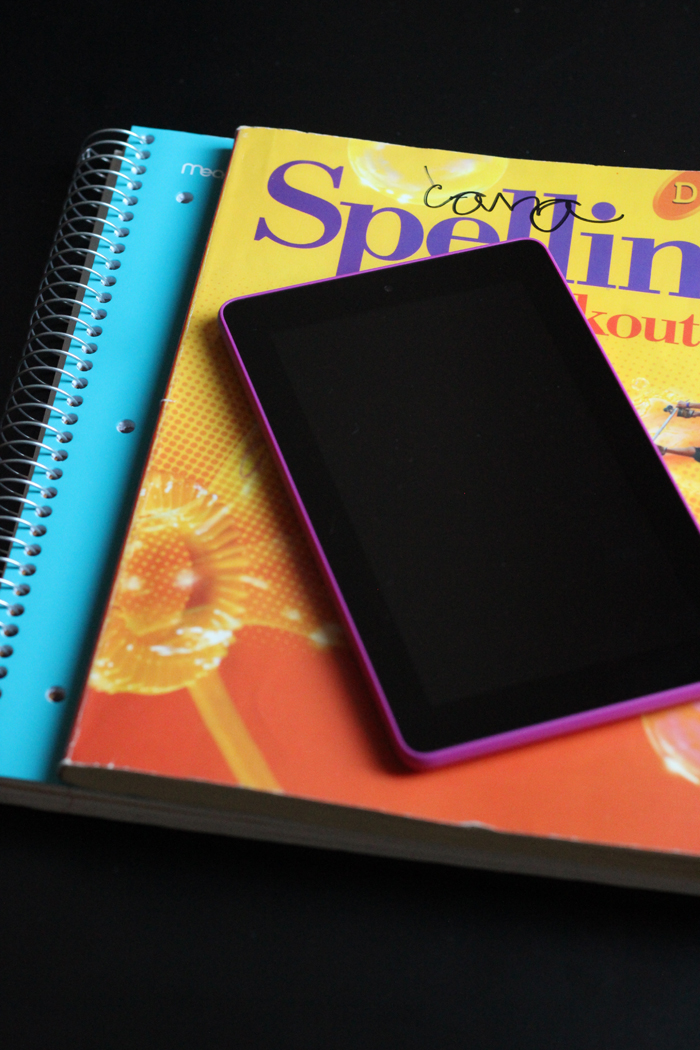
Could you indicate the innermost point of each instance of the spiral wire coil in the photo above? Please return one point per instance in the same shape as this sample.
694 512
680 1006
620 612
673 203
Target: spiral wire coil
52 374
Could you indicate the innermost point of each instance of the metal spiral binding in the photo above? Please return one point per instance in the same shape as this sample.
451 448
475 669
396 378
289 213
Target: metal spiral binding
55 358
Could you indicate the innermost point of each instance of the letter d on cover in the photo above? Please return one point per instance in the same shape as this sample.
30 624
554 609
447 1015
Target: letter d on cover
308 203
683 197
355 240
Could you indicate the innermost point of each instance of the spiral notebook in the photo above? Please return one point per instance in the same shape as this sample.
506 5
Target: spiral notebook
81 411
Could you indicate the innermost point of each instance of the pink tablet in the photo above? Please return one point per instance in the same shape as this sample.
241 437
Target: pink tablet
507 550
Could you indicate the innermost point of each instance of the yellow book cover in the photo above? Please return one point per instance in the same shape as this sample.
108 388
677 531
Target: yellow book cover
220 660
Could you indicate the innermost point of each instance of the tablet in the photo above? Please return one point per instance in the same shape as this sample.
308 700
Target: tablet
508 552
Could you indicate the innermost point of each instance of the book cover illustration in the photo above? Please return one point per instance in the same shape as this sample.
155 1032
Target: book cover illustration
220 658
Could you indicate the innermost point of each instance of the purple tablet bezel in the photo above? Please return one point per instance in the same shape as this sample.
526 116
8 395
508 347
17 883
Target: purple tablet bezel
420 760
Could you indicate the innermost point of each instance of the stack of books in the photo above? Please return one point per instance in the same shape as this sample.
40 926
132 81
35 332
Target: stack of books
170 653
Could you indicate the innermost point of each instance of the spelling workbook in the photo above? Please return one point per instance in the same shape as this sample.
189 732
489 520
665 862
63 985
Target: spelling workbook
220 664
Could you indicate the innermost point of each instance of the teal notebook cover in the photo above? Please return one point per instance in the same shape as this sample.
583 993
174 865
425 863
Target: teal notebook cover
180 181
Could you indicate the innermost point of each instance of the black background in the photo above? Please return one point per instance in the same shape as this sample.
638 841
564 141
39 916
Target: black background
118 936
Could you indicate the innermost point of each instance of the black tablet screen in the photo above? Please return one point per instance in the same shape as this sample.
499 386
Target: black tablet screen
506 539
501 530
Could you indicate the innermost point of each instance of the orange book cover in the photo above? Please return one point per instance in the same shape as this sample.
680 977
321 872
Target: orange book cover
220 660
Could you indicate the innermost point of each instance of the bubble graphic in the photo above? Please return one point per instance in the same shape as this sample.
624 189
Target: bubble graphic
675 736
399 173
